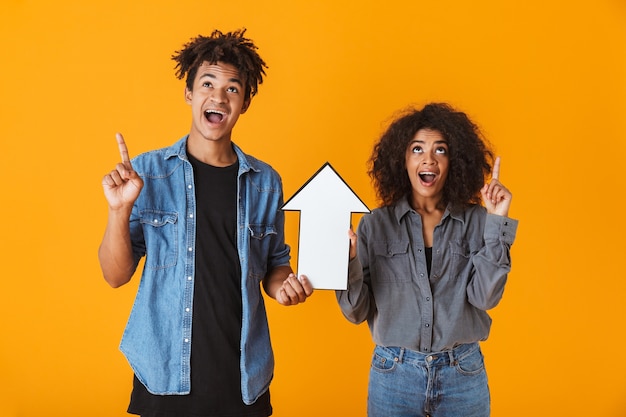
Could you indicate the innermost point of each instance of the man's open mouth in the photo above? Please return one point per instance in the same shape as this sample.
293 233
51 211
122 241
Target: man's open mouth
214 116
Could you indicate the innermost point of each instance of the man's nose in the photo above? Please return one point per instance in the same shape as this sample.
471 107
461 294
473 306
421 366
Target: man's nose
218 96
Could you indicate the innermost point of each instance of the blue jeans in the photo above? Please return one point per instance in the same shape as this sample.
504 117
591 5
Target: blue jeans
406 383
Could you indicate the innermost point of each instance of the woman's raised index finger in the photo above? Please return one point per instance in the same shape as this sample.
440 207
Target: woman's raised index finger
122 146
496 169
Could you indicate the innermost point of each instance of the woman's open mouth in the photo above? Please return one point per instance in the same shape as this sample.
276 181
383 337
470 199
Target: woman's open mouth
427 177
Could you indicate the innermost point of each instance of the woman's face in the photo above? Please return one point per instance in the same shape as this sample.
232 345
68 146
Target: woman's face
427 164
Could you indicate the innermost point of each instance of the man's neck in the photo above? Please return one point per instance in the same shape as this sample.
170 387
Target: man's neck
215 153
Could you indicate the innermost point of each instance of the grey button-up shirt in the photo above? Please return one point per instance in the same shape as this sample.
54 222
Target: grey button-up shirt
389 286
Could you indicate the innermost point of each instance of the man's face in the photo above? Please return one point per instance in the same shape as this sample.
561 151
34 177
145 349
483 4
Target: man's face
216 101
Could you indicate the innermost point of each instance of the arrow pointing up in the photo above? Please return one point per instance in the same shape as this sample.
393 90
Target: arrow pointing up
325 203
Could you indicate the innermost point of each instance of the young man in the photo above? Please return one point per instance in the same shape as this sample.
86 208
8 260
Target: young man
208 219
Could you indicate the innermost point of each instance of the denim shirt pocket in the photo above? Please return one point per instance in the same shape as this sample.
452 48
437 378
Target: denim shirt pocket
460 255
392 261
160 230
260 243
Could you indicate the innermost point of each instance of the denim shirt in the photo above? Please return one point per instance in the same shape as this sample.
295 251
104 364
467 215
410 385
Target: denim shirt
389 285
157 341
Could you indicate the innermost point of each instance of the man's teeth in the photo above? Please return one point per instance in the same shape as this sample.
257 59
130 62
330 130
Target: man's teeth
214 116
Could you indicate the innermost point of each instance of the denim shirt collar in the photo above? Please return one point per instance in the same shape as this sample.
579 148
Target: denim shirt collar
179 149
402 208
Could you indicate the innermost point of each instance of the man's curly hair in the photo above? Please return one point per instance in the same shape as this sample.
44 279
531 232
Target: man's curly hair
469 153
230 48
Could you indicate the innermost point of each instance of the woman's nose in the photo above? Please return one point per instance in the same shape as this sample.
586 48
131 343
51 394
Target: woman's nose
428 159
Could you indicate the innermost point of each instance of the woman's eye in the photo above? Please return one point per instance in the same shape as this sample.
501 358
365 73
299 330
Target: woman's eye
416 149
442 151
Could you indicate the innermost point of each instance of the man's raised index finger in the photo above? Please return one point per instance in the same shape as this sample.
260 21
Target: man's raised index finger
496 169
123 149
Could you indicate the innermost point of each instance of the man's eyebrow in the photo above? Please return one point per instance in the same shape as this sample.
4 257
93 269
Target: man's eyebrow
232 80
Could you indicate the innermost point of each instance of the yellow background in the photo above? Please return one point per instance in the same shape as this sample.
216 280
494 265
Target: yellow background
546 80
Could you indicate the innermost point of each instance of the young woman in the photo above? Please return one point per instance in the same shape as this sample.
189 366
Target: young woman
431 261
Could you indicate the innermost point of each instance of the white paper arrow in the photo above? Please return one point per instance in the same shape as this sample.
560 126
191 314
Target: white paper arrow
326 203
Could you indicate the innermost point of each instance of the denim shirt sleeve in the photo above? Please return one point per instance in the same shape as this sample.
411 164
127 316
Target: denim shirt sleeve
136 236
492 263
356 301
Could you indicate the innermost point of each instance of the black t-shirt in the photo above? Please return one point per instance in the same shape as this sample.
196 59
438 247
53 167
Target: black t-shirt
217 311
429 259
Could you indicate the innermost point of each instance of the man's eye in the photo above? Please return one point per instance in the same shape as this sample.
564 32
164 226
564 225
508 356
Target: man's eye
233 90
206 84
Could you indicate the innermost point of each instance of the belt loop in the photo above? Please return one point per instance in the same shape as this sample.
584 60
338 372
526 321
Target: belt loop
452 357
401 355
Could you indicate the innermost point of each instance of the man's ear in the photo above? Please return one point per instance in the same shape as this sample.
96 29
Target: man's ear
188 95
246 105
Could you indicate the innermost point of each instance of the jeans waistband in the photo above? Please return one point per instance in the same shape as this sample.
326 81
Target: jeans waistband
445 357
